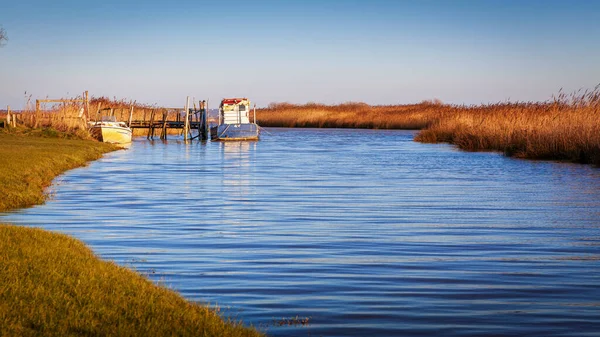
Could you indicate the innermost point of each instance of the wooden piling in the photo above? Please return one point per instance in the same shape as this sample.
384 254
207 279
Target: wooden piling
37 113
206 119
202 125
8 122
130 116
98 111
172 118
186 127
87 105
163 134
151 125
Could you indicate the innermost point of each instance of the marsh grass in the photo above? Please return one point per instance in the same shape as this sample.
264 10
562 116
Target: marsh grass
53 285
349 115
567 127
31 158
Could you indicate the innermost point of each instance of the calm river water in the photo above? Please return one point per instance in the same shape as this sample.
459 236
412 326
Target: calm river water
365 233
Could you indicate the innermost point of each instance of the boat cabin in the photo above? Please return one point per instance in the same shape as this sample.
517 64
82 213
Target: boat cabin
234 121
234 111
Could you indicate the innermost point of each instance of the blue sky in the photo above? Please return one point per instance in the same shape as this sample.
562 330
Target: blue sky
378 52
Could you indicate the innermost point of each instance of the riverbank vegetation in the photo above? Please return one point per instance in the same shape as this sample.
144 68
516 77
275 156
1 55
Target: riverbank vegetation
567 127
349 115
31 158
53 285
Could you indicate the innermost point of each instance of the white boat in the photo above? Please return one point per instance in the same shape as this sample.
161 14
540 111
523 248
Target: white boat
234 121
108 130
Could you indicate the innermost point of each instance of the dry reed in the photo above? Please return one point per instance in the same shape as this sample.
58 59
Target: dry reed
350 115
567 127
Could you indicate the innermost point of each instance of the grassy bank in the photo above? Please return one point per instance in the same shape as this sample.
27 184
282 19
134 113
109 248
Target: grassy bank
565 128
53 285
31 159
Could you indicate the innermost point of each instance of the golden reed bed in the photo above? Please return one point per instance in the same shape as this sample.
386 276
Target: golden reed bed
72 118
564 128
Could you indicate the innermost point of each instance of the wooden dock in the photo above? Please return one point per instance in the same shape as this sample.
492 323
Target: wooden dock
164 119
192 120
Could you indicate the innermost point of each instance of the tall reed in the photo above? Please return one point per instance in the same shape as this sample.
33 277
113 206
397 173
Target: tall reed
567 127
65 117
350 115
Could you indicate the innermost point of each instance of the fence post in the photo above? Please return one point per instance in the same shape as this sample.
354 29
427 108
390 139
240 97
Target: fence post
8 122
187 119
87 105
130 115
37 113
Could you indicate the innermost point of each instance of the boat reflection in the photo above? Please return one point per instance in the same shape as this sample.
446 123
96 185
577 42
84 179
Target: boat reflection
238 166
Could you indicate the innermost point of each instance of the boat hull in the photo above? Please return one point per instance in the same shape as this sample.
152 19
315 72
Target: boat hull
224 132
112 134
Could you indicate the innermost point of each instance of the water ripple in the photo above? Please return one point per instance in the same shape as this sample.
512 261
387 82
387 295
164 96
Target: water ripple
362 232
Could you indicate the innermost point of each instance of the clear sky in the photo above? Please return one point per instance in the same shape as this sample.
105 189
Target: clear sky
374 51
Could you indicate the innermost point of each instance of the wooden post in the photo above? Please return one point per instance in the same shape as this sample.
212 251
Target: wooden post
204 121
8 122
37 113
151 125
14 118
87 105
206 116
186 126
163 134
130 116
98 111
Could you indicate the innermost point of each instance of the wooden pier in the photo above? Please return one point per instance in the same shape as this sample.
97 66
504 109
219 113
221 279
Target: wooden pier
190 118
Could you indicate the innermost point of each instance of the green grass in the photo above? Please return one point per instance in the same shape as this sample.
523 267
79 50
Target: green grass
29 161
53 285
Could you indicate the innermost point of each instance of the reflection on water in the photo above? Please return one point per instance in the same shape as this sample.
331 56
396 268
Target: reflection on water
237 159
364 232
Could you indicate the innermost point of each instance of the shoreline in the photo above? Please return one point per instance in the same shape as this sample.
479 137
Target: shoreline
54 285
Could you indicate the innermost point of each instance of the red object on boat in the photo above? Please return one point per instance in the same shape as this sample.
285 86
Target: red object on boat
232 100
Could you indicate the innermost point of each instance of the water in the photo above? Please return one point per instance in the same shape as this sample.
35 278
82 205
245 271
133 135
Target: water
362 232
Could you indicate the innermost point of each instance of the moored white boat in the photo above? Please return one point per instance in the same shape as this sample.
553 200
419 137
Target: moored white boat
234 121
108 130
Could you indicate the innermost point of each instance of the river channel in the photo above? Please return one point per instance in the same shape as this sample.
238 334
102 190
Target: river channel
355 232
